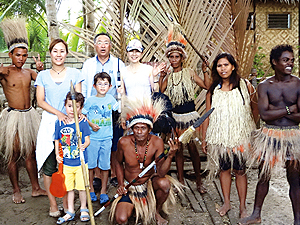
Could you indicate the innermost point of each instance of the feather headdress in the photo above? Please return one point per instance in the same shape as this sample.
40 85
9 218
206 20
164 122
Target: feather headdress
15 33
175 41
142 111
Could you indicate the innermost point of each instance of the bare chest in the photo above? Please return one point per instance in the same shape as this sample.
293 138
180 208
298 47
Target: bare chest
281 94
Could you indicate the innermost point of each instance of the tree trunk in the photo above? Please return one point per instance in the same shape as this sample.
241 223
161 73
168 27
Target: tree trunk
53 31
90 25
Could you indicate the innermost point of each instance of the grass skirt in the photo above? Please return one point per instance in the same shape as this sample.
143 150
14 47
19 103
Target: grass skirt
23 123
185 120
143 199
272 146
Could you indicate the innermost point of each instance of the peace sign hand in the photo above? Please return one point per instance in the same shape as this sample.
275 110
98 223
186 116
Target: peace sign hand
38 63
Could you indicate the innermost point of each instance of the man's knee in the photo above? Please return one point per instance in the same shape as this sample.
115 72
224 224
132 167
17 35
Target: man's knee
162 184
121 219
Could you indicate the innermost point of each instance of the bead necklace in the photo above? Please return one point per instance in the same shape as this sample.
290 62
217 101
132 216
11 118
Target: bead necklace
137 155
59 71
179 79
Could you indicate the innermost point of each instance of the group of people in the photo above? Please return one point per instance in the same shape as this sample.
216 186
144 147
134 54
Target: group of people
229 137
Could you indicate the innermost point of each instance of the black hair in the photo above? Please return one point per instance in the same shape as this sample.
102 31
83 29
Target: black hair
102 76
217 79
102 33
78 98
277 51
16 41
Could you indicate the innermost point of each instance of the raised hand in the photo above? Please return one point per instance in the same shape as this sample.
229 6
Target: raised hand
38 63
158 69
173 146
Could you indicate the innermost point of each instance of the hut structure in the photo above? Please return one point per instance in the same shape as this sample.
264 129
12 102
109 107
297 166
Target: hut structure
276 22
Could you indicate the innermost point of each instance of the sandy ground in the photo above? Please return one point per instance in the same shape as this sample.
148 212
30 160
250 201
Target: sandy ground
276 210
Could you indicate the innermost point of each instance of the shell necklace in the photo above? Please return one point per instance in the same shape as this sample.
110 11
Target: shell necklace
137 155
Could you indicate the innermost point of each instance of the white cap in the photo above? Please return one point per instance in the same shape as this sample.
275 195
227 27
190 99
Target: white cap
134 44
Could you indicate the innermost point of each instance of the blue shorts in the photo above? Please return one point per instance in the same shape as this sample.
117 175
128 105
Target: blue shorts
99 154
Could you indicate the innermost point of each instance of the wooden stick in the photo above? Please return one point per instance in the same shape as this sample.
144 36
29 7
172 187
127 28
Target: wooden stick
141 174
83 167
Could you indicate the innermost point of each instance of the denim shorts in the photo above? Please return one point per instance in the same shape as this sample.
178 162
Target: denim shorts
99 154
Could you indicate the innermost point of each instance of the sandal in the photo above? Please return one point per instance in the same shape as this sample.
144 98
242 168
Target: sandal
62 220
104 198
93 196
84 218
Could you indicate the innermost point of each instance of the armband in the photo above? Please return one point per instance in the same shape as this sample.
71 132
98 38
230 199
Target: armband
288 110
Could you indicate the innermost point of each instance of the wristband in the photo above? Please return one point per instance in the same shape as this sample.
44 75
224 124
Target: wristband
288 110
205 71
156 81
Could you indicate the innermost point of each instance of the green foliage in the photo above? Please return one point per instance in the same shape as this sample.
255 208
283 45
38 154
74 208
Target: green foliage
73 39
37 37
257 63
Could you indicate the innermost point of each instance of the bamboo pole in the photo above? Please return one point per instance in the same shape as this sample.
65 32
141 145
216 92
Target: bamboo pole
83 167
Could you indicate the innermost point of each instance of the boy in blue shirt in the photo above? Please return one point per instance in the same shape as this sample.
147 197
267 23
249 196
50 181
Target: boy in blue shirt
99 113
66 139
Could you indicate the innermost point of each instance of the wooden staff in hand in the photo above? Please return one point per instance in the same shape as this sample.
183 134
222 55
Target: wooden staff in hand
84 173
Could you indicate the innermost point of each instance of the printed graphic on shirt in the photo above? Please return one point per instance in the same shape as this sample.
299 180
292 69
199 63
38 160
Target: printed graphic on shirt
101 115
69 143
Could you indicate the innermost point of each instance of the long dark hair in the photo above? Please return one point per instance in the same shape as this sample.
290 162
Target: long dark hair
234 78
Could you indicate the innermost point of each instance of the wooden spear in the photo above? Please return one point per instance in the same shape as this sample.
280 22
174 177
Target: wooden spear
83 167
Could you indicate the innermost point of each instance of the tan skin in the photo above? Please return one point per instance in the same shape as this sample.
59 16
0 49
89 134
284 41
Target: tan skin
274 94
224 69
176 63
130 170
16 83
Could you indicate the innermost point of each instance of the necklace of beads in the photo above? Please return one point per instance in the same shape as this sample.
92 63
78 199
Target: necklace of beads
137 155
172 77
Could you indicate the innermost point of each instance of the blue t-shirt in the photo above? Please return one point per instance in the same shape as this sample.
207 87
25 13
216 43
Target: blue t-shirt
99 111
55 93
66 134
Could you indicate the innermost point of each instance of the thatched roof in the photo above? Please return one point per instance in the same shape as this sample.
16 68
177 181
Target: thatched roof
284 1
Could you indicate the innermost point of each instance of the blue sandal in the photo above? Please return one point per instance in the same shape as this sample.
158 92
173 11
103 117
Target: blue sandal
61 220
93 196
104 198
84 218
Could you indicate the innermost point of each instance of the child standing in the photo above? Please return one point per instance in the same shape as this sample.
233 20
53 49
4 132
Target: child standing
99 113
66 138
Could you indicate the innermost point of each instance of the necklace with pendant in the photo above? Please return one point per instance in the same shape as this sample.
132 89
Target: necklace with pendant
58 72
137 155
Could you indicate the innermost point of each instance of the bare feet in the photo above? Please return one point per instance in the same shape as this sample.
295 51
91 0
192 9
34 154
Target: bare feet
223 209
243 213
250 220
18 198
160 220
38 192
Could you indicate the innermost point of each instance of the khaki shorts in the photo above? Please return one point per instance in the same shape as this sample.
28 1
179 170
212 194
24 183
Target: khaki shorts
74 177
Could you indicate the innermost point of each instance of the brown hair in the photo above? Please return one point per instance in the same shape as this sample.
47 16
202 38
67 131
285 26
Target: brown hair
56 41
102 76
78 98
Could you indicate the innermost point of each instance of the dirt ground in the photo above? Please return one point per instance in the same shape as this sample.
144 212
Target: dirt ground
276 210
